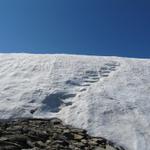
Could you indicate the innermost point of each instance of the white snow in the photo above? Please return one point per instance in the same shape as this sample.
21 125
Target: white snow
108 96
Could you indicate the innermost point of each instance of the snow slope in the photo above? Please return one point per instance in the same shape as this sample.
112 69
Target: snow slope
108 96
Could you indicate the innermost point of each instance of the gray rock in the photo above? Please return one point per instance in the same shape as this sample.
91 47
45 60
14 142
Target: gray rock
48 134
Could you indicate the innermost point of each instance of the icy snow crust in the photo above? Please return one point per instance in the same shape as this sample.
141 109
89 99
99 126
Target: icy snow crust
108 96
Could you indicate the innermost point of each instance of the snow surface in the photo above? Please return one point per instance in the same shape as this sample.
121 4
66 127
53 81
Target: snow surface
108 96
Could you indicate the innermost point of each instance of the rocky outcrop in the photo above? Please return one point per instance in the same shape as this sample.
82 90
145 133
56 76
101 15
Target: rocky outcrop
48 134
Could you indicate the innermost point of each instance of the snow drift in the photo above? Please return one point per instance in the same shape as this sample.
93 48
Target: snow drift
108 96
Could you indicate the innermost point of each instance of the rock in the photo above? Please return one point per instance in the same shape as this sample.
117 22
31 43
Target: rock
68 135
40 144
80 131
93 142
30 144
48 134
78 136
60 142
56 121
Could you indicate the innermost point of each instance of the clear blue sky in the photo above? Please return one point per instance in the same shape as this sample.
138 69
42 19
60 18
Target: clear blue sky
98 27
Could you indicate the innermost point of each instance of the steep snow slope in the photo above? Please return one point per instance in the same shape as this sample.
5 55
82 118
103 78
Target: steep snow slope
108 96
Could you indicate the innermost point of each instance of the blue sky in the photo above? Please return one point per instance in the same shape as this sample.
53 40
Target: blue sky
97 27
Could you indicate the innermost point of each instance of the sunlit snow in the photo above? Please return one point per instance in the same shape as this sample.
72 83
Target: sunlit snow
108 96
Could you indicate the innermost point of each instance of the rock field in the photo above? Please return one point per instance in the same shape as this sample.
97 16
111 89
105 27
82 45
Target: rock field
48 134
